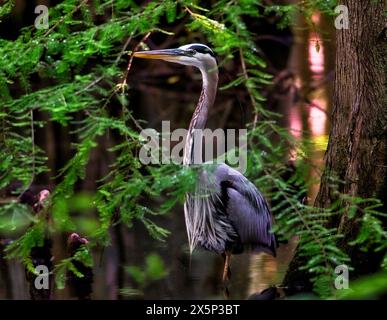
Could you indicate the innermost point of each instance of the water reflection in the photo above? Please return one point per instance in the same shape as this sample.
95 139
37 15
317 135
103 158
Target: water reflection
316 56
265 270
318 117
318 106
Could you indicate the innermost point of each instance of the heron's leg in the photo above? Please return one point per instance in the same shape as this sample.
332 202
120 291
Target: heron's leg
226 274
226 270
226 293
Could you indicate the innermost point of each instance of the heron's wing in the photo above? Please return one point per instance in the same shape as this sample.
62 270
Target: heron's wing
247 210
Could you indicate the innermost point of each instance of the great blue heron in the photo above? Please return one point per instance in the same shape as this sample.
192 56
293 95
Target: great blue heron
226 213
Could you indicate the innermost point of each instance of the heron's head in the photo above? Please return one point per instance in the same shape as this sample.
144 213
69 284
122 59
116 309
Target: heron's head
194 54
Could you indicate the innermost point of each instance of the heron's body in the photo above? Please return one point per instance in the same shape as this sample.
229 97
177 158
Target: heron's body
226 213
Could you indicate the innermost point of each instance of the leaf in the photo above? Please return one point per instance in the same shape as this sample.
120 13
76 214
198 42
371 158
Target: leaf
137 274
155 268
155 231
236 82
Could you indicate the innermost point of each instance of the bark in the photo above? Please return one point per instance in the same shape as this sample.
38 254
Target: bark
356 153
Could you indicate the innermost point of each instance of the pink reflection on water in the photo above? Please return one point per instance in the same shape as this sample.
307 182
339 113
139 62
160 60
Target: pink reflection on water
317 116
316 55
295 122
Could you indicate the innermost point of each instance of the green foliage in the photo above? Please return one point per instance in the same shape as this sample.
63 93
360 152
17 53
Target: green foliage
14 216
6 7
153 270
318 242
288 12
21 159
372 235
21 248
82 255
368 287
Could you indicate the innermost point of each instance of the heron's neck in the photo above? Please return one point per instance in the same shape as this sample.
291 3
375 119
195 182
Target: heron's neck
200 115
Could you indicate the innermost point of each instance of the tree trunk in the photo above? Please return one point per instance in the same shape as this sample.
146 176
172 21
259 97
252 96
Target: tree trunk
357 149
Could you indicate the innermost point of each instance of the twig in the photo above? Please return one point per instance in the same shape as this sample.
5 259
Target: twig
91 84
33 153
246 76
123 49
123 83
94 82
33 147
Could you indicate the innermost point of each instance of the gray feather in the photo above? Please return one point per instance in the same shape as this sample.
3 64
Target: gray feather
214 222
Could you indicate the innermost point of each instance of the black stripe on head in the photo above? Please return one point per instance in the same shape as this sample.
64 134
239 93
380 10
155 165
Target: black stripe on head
202 49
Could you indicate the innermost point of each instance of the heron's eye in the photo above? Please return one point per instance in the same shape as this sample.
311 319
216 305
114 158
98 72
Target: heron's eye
191 52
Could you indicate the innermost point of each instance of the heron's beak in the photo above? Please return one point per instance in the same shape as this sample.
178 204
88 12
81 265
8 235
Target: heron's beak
166 54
